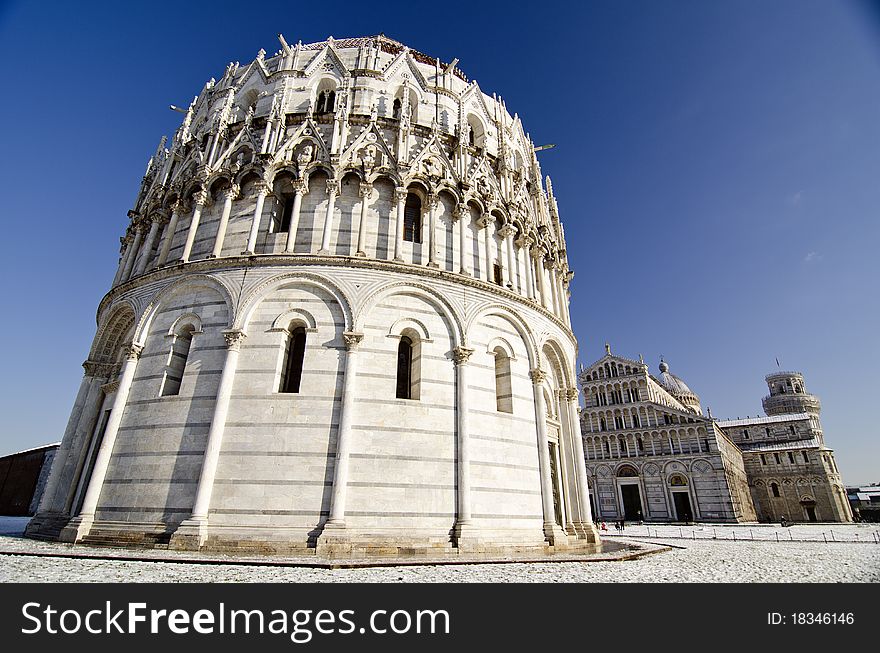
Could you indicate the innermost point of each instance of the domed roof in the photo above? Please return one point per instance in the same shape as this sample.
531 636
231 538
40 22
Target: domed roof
674 385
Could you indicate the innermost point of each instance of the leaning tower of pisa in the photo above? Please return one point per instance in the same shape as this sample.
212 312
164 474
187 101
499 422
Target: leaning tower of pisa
339 324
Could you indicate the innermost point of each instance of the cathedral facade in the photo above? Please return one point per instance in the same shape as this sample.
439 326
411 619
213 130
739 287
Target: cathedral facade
653 455
339 323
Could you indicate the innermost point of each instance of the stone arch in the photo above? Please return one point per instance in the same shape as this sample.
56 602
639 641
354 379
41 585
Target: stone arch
444 307
143 325
112 333
410 324
256 295
187 319
518 323
554 354
283 321
497 342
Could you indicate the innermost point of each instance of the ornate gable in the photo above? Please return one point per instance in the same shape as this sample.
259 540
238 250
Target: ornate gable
327 61
396 67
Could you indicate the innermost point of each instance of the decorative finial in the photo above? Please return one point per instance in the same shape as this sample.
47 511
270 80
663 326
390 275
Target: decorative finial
641 359
663 366
607 348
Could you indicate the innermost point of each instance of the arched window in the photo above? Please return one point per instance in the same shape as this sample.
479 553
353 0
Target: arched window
405 376
503 386
294 354
775 488
286 212
176 364
395 110
326 102
412 219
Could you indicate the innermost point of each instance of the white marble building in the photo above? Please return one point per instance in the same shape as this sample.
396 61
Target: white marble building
339 323
653 455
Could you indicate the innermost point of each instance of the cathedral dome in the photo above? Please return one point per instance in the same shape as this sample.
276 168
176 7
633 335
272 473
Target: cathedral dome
673 384
678 388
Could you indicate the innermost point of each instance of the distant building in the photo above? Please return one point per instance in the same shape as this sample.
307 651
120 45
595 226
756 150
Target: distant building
865 502
22 479
651 453
792 473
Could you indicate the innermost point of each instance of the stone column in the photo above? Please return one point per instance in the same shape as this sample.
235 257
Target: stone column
550 266
584 526
525 244
148 246
512 276
135 246
336 521
537 261
364 190
199 201
229 194
60 460
168 236
262 189
332 192
400 196
433 203
484 223
82 524
464 529
299 189
552 531
124 253
506 250
192 533
462 219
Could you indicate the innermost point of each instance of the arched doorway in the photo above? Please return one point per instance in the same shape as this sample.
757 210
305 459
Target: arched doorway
681 500
808 505
629 493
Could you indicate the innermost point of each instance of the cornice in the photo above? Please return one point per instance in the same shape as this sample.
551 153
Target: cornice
314 260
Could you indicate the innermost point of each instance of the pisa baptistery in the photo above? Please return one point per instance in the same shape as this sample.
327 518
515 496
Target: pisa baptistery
339 325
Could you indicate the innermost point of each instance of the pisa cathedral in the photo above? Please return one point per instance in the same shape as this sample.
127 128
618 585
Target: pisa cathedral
339 324
653 455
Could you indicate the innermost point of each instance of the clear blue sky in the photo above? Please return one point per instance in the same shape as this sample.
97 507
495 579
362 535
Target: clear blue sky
717 168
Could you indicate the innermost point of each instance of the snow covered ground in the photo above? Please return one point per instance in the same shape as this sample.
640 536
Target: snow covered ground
698 560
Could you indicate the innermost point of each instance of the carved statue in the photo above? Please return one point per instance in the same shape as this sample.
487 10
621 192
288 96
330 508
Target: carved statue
305 155
368 157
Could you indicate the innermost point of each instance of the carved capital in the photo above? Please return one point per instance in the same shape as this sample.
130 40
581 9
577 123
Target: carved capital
525 241
461 355
352 340
133 351
460 211
99 370
231 193
110 388
234 339
571 394
537 375
365 190
300 187
507 231
261 187
160 218
400 194
332 187
200 198
483 221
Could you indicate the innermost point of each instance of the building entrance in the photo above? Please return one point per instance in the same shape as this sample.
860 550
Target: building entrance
682 506
632 501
